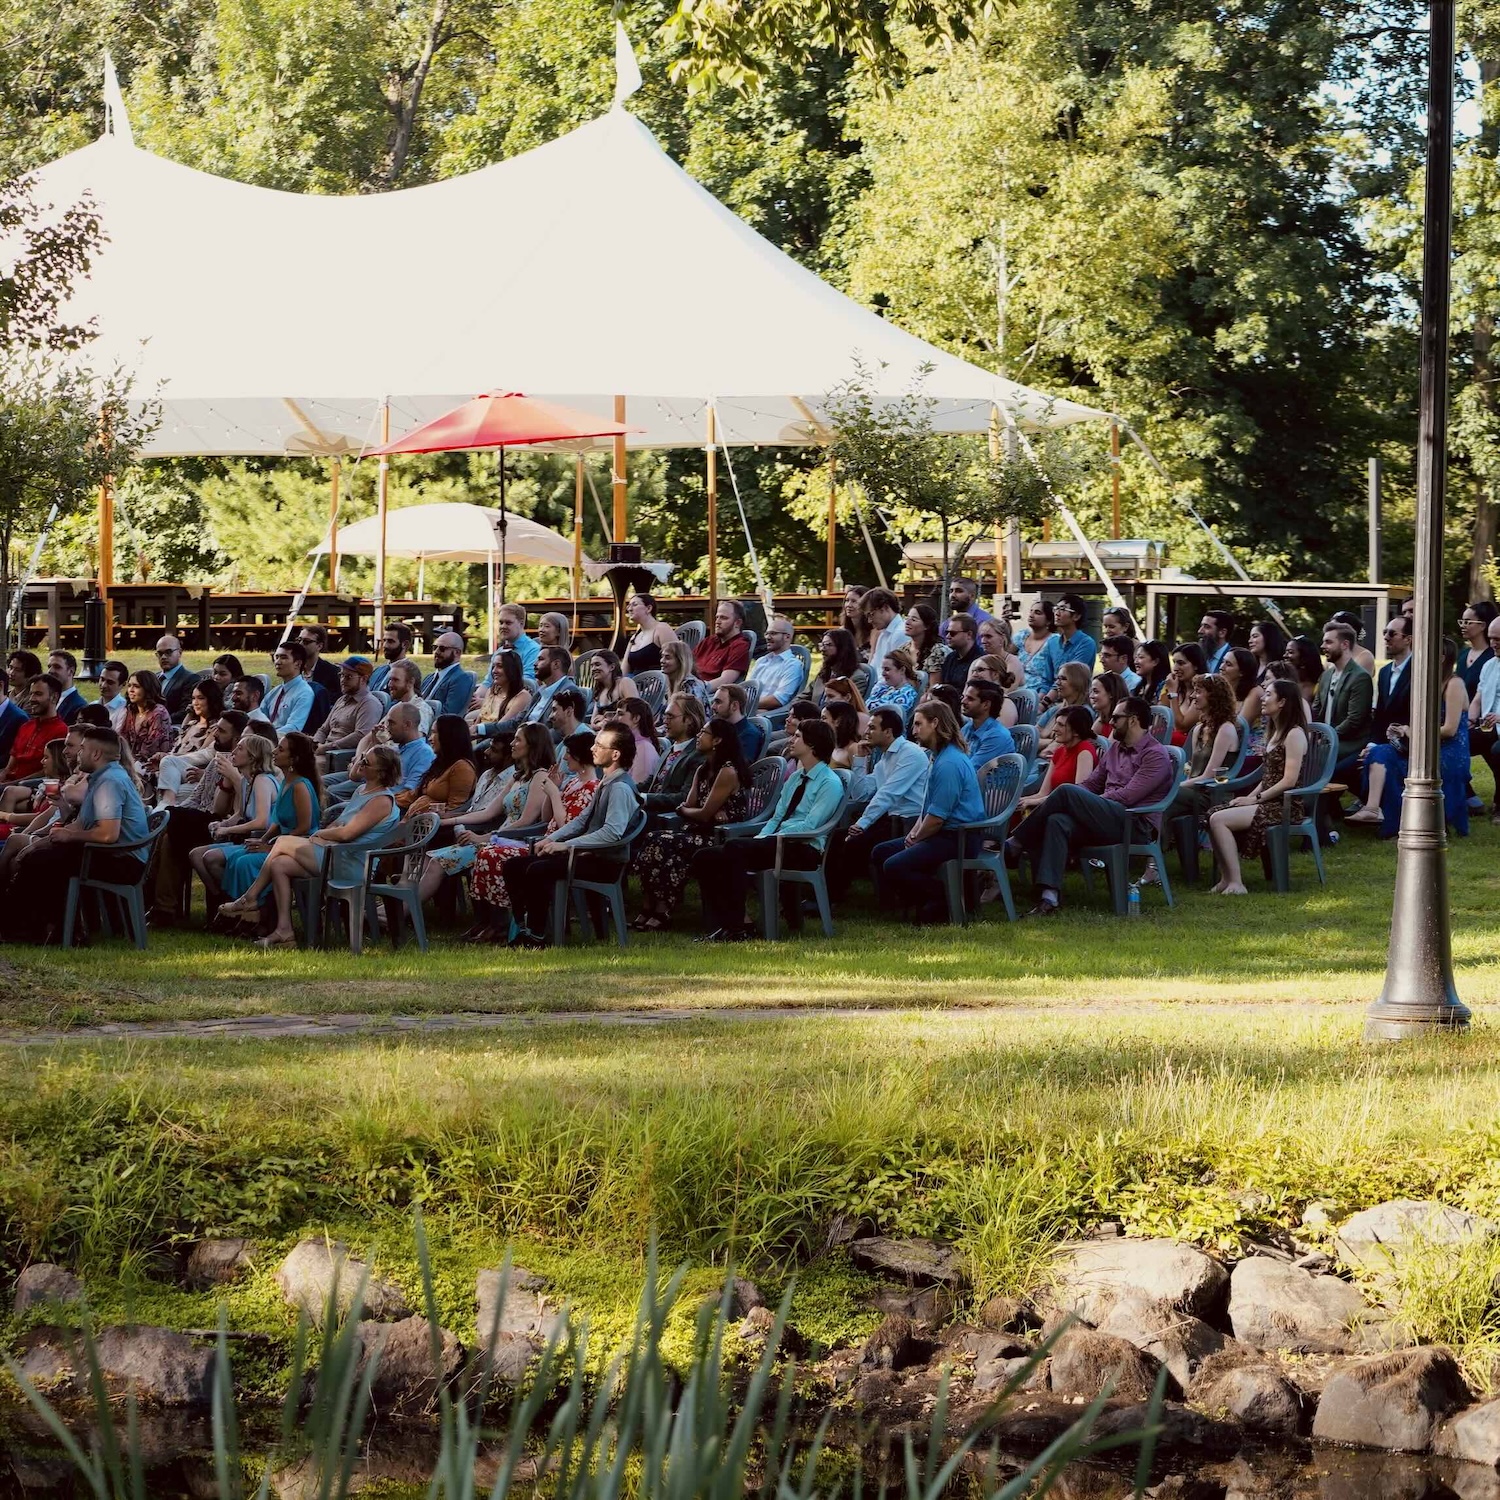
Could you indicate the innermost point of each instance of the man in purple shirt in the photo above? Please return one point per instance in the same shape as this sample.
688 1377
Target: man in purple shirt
1134 771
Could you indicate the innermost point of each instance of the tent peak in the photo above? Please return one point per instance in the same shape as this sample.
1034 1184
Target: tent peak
116 119
627 69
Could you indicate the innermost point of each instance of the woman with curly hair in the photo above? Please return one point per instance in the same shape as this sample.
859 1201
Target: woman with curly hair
1302 664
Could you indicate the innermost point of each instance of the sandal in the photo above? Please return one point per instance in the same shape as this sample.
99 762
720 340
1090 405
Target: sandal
276 942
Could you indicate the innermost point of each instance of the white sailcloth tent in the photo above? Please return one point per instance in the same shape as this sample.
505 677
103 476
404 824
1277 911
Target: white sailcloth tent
278 323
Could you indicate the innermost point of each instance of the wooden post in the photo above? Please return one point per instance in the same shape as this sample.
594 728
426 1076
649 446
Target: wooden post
712 454
107 560
577 529
1114 470
333 526
382 497
621 519
833 522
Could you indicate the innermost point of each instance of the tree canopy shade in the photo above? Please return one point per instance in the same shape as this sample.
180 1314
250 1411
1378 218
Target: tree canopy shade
278 322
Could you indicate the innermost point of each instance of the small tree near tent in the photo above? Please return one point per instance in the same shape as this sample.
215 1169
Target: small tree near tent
968 485
63 429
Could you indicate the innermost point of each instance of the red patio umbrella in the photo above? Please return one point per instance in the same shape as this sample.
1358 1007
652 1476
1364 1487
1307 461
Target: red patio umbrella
503 419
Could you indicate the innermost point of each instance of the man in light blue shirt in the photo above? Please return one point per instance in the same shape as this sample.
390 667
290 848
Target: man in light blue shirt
1213 636
1077 645
290 701
809 798
1484 714
1115 655
404 726
895 788
882 612
906 870
776 677
112 677
512 621
987 737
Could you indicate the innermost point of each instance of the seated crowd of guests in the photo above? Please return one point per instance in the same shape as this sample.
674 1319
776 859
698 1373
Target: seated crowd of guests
537 768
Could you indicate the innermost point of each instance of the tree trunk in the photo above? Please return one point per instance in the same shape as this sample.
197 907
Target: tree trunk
1487 504
403 97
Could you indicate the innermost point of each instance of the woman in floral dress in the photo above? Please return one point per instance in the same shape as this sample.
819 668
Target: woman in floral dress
558 804
719 794
146 726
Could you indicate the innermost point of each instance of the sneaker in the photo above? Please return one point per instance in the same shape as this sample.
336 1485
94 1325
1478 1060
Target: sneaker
1476 804
1043 909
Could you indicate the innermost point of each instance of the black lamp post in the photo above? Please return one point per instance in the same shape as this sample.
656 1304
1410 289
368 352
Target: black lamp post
1419 994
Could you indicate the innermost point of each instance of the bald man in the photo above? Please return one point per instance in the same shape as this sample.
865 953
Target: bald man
176 679
448 686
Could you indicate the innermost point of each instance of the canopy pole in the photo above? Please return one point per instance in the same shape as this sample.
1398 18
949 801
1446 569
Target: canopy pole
1114 467
577 534
382 493
107 558
1004 432
504 527
333 525
621 518
712 457
833 524
421 578
489 574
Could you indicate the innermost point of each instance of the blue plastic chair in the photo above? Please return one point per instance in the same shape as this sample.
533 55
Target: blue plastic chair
1028 743
410 839
770 881
1317 771
692 634
131 898
1116 857
1162 723
766 776
1025 700
652 687
1001 787
612 891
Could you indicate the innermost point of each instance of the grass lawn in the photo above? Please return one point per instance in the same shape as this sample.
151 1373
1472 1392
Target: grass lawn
742 1140
1315 944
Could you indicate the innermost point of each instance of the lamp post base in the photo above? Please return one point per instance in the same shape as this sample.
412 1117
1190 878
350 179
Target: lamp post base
1419 995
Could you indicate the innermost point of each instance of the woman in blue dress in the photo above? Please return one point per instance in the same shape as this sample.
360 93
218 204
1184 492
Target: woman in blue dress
247 771
368 819
1386 766
298 811
1040 647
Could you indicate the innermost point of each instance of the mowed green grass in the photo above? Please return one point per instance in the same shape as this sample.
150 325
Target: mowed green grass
743 1140
1317 944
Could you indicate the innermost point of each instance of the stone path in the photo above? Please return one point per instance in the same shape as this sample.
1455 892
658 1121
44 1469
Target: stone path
288 1027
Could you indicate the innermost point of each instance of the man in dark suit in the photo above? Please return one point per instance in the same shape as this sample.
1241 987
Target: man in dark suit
314 640
176 680
1344 700
448 687
683 721
1393 684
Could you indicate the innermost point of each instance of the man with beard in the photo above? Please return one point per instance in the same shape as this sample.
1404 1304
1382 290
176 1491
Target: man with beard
395 645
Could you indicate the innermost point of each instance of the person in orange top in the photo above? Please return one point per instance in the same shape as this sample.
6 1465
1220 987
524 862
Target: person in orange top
32 739
448 782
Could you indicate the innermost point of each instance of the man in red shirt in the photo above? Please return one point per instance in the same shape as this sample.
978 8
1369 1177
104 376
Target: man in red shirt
31 740
725 655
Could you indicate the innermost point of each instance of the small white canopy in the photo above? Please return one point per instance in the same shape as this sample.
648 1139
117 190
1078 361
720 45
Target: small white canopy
454 532
277 322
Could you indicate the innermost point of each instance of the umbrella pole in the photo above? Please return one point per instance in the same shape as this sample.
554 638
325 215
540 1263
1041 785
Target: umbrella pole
501 452
712 452
489 573
382 497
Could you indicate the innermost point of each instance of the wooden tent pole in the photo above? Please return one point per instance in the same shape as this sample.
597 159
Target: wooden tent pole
333 525
1114 455
382 500
577 533
621 518
833 522
712 455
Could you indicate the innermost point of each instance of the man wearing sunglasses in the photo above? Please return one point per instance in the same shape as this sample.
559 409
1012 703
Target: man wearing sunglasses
177 680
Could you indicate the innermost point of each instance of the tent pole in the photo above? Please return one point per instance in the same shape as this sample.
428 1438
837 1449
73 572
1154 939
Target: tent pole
421 578
712 454
489 574
1114 469
383 487
107 559
621 519
504 526
833 523
333 525
577 534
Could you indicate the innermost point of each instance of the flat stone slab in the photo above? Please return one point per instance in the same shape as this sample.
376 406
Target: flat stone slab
915 1261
